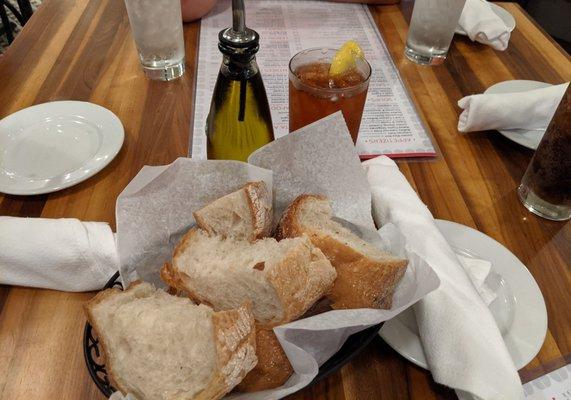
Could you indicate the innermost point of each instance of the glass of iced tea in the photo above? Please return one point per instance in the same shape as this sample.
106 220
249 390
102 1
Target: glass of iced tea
314 94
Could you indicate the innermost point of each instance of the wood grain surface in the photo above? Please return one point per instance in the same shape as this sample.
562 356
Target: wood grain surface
83 50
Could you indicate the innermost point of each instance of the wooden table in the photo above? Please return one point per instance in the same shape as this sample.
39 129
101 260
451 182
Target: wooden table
83 50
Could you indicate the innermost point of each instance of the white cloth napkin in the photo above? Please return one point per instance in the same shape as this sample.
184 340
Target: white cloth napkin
463 345
532 109
478 270
60 254
481 24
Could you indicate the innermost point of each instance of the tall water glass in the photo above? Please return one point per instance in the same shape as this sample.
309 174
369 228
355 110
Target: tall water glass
157 30
431 30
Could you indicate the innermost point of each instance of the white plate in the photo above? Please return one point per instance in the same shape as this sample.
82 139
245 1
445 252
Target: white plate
519 308
52 146
527 138
504 15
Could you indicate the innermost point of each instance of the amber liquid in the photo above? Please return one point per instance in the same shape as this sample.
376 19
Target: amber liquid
307 105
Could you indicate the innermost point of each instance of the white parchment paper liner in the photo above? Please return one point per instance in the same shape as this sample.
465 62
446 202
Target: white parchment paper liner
155 209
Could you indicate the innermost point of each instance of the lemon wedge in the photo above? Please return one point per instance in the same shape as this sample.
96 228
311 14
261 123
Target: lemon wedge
345 58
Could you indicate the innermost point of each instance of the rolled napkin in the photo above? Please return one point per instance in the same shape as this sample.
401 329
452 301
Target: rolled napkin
463 346
60 254
481 24
523 110
478 270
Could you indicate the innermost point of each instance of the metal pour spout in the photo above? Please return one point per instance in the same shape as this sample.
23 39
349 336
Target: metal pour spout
239 35
238 16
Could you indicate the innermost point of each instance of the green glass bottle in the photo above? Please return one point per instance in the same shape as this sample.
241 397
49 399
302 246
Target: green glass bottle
239 120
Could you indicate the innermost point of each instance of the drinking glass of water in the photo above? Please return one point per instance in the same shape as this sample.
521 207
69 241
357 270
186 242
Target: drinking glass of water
157 30
431 30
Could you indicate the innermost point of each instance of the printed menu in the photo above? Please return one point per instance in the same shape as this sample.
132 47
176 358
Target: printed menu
390 123
555 385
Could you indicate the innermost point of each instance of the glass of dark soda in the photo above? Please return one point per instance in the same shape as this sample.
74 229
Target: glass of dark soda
545 188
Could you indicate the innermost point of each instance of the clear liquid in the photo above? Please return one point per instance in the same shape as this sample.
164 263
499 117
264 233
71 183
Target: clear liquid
239 121
157 29
432 26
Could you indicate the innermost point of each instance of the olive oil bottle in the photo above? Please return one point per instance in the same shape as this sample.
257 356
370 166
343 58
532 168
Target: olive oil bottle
239 120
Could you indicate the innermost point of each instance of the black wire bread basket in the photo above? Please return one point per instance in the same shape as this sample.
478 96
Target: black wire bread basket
95 361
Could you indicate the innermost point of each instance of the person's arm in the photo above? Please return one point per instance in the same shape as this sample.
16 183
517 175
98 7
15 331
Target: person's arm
195 9
368 1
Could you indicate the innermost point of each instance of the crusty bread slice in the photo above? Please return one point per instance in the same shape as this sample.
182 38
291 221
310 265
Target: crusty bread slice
366 276
281 279
244 214
163 347
273 368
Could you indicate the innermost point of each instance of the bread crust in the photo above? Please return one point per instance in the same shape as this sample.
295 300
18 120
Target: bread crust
273 368
259 203
235 340
175 281
288 226
297 284
361 282
201 223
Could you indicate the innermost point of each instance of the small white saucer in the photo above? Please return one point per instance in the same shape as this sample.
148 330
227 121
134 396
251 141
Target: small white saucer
527 138
504 15
519 308
52 146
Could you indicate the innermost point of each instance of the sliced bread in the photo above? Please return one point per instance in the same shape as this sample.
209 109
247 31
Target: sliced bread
273 368
366 275
244 214
281 279
162 347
